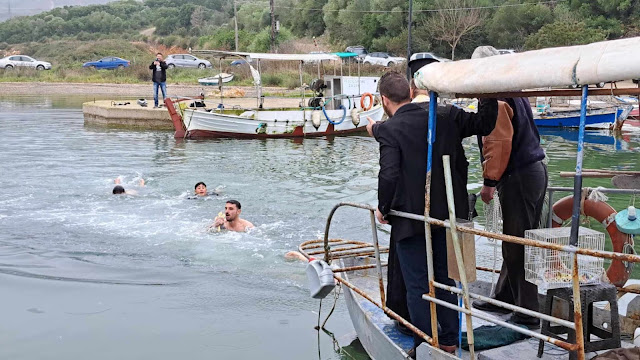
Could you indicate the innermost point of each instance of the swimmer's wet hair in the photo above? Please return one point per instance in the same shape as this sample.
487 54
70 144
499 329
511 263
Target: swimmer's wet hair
118 190
236 203
200 183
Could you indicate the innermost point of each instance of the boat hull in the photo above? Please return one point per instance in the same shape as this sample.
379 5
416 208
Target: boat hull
213 80
377 333
259 124
596 120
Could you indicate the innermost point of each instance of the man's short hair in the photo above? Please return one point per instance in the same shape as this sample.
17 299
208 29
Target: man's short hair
159 53
199 183
118 189
395 87
236 203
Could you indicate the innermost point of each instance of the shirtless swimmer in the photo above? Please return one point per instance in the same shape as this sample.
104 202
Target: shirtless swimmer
231 220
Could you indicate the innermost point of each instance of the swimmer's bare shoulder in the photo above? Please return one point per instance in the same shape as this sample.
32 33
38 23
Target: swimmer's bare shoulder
247 225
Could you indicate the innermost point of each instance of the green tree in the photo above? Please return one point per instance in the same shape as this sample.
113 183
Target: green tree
562 33
510 25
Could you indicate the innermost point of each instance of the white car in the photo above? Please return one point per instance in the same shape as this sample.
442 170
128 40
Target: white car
13 61
186 60
382 58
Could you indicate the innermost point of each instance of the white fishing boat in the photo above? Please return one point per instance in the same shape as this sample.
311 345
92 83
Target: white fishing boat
349 101
215 80
359 269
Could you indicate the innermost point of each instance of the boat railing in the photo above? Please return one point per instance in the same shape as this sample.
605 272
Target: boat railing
358 249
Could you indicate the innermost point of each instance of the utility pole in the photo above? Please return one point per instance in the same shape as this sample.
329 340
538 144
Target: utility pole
9 9
273 25
410 25
235 20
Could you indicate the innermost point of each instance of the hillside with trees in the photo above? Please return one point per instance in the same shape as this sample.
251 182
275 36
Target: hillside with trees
70 35
449 28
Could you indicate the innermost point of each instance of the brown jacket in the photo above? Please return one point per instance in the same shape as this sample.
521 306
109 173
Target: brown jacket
496 147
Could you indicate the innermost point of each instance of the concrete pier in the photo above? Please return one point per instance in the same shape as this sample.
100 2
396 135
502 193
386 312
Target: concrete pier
111 114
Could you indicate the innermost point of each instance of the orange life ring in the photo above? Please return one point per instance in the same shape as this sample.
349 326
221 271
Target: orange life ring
617 272
366 95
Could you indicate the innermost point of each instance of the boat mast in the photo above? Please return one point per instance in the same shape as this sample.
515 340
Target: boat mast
409 38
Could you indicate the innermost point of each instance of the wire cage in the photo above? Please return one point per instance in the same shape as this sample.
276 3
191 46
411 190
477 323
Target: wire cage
550 269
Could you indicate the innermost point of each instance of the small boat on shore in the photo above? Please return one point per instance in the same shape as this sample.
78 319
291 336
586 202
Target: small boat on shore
215 80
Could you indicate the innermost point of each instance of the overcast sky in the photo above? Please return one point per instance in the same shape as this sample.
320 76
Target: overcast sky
32 7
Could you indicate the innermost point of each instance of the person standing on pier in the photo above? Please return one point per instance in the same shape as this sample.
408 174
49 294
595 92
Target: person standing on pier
159 78
401 186
512 162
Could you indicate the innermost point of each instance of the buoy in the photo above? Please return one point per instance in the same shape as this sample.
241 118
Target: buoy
315 119
355 118
320 277
627 221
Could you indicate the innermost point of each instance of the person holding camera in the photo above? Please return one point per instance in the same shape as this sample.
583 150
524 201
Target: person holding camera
159 78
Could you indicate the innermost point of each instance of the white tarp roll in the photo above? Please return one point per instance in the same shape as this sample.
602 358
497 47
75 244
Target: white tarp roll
604 61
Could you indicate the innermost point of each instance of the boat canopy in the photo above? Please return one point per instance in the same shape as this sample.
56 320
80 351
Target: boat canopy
594 63
345 54
268 56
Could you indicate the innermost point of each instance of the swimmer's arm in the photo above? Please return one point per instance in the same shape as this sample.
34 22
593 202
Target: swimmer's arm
248 225
141 183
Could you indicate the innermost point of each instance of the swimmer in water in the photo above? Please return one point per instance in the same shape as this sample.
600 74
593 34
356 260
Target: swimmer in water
119 189
201 191
231 220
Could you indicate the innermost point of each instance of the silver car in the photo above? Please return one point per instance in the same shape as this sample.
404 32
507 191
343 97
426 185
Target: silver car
186 60
23 61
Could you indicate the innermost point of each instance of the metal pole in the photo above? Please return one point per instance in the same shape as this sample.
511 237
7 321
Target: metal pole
273 25
377 252
235 20
577 309
577 182
458 250
410 20
427 208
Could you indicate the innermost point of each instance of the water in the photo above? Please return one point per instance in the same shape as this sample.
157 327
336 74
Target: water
84 273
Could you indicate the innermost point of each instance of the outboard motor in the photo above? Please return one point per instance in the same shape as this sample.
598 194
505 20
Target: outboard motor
320 278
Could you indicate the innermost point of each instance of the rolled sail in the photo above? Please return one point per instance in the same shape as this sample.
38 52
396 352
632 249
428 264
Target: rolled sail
594 63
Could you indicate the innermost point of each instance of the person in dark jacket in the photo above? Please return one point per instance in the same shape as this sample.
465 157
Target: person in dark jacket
401 186
512 161
159 78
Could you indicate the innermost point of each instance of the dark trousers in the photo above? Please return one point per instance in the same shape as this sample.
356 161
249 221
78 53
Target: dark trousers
521 198
396 291
412 256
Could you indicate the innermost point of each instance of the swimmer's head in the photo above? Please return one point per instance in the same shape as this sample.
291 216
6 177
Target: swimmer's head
201 189
232 210
118 190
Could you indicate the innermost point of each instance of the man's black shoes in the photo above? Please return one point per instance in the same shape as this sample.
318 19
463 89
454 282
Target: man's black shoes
485 306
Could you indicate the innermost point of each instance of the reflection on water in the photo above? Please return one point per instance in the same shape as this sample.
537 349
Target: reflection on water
82 269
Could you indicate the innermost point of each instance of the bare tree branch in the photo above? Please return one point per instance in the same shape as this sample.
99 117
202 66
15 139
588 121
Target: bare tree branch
457 19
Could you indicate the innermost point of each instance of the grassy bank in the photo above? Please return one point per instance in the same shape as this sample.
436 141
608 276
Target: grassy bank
67 57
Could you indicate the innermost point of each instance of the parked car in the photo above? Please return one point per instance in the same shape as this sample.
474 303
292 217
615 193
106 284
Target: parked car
239 62
23 61
506 51
382 58
109 62
186 60
359 50
427 55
